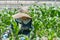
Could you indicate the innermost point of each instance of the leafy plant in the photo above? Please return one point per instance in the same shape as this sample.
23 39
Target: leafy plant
46 21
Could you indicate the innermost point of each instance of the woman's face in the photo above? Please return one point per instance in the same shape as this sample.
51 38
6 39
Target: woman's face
25 20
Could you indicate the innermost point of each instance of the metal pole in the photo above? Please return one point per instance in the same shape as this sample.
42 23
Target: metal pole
17 6
55 2
5 3
51 3
17 3
10 5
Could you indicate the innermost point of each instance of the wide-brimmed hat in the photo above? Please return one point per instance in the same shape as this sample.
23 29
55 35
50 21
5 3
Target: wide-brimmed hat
21 15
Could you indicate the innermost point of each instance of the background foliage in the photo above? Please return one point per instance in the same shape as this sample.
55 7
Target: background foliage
46 21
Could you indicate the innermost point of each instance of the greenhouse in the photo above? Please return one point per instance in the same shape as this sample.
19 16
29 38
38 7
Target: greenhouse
29 19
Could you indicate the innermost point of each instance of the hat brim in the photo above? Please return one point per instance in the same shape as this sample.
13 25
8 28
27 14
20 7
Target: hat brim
21 15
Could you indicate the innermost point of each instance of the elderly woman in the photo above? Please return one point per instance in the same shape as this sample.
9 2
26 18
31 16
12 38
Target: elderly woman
26 24
25 21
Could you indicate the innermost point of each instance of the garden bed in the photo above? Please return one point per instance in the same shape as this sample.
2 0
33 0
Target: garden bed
46 21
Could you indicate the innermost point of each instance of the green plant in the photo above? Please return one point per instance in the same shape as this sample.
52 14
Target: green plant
46 21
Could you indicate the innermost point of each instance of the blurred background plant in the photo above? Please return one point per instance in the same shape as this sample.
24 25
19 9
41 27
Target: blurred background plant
46 21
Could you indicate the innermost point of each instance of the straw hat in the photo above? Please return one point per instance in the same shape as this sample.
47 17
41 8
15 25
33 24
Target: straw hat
21 15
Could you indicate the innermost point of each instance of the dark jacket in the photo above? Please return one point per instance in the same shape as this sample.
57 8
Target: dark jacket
25 32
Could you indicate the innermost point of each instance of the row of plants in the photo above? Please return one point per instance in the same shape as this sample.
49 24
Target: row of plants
46 21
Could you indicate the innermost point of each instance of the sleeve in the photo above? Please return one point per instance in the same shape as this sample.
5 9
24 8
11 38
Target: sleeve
32 27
